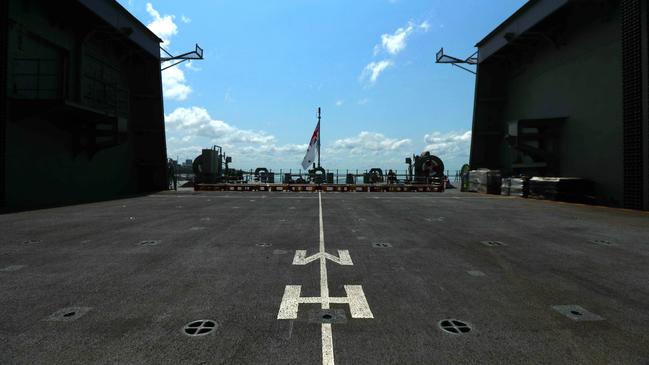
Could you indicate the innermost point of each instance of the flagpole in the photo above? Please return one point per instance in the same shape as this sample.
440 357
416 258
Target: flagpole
319 134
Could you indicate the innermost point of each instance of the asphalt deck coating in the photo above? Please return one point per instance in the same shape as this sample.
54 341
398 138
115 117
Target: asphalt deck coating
210 258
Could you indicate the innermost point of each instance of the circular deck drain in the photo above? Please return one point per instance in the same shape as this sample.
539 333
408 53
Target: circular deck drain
454 326
200 327
149 242
264 244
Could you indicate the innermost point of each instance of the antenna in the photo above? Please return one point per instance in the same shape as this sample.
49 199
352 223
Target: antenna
440 57
196 54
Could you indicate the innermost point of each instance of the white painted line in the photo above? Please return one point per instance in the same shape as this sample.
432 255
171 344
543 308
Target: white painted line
301 259
324 286
357 303
327 335
289 306
327 345
345 259
355 298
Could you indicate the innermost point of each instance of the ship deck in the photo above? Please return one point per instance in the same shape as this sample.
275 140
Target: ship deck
117 281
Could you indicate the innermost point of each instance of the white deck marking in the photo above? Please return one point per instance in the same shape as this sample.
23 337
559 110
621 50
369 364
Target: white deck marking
355 298
327 345
343 258
358 306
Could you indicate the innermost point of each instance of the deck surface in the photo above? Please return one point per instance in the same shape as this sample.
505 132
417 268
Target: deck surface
228 257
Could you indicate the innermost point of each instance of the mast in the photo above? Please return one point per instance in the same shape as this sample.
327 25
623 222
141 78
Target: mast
318 137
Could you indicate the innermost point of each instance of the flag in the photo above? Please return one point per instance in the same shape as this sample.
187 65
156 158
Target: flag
313 145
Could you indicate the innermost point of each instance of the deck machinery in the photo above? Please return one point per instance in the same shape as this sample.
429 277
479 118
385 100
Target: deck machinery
211 167
211 172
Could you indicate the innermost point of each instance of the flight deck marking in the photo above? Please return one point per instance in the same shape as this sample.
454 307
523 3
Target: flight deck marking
355 298
343 258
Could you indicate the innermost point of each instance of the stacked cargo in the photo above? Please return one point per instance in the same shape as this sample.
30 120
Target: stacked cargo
517 186
572 189
484 181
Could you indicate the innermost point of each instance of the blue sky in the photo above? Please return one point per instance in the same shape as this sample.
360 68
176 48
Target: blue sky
369 64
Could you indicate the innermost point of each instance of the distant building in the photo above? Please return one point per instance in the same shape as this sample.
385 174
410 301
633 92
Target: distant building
562 89
82 110
188 163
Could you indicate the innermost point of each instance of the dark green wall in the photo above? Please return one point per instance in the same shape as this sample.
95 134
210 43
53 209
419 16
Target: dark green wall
578 75
4 29
85 119
580 80
44 172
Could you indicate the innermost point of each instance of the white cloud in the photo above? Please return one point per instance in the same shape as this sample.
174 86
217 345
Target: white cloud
185 19
396 42
197 121
392 44
173 84
340 102
449 145
373 70
273 149
184 152
192 129
369 143
366 150
163 26
363 101
190 65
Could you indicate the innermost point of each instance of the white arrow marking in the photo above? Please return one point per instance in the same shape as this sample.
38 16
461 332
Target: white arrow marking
343 258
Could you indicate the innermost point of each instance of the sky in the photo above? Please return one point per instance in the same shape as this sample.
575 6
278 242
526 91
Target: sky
369 64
